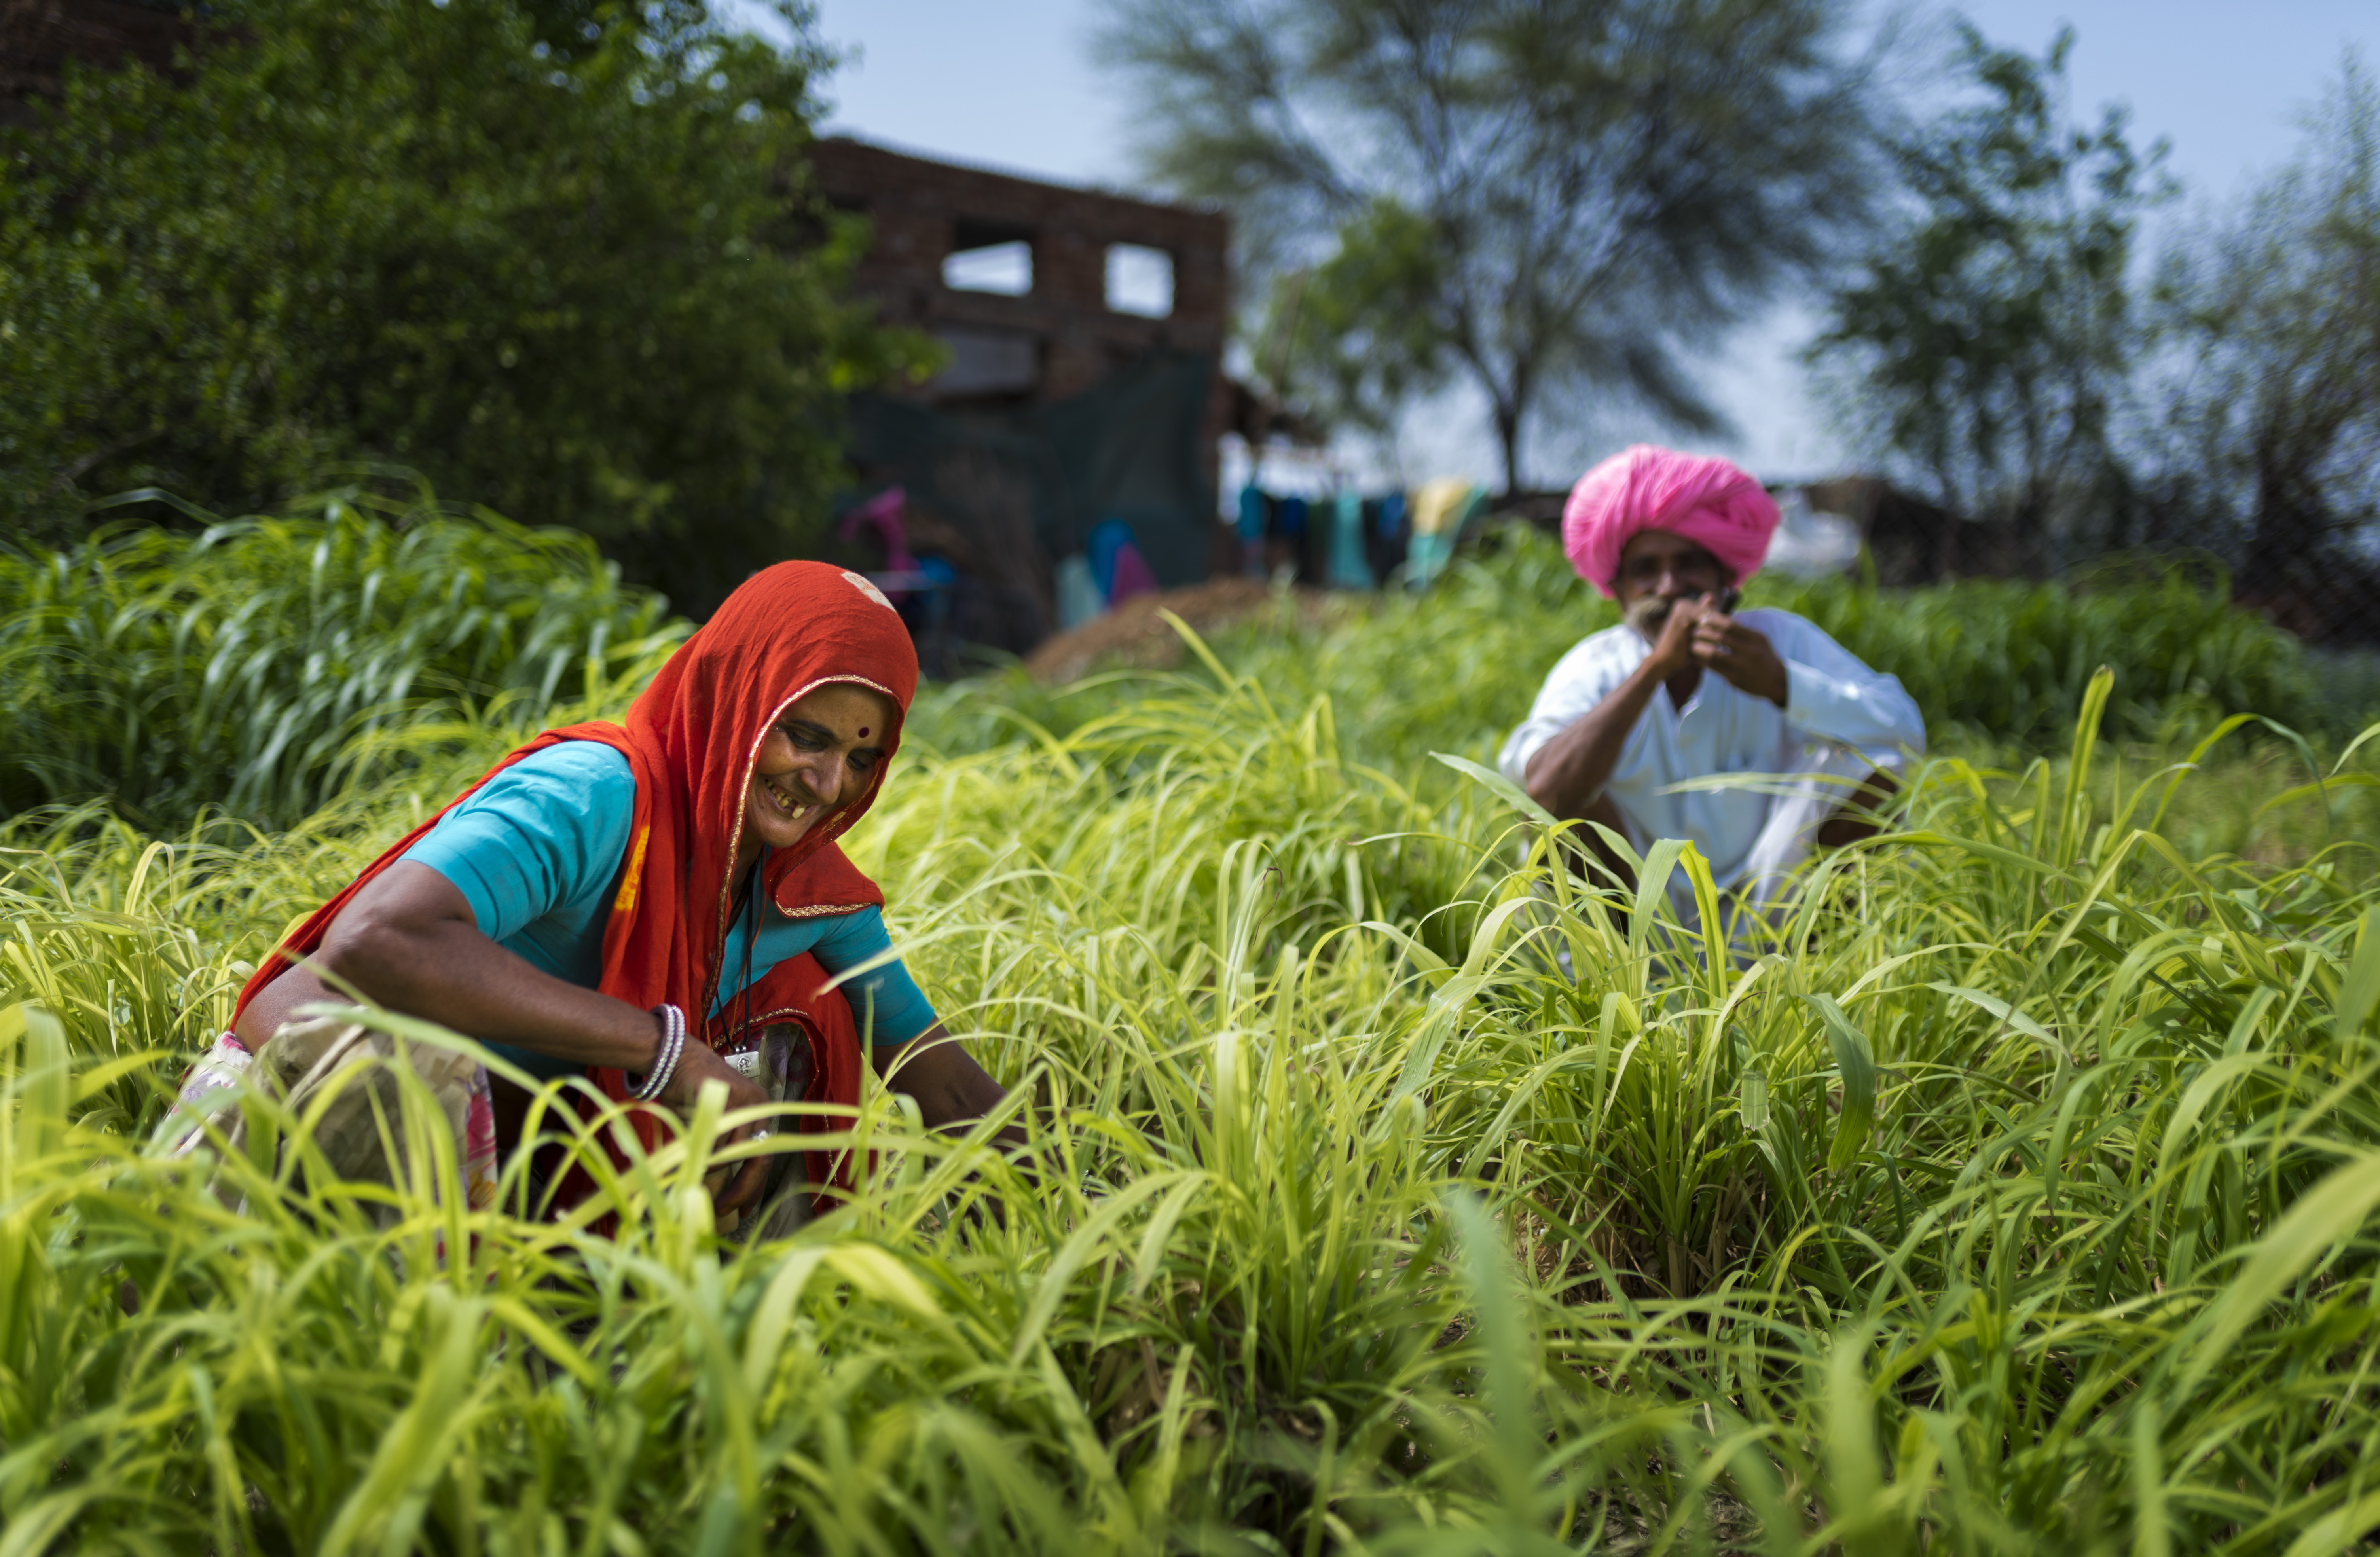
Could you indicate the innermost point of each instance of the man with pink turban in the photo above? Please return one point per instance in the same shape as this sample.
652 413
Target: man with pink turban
1751 736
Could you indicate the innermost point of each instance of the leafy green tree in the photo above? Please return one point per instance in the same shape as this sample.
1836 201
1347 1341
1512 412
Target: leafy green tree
1353 340
2272 422
1539 198
557 258
1990 336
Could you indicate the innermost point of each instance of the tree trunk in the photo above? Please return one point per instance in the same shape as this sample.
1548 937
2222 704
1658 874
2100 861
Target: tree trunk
2290 530
1508 434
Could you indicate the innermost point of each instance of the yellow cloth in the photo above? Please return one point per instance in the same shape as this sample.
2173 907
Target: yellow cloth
1442 505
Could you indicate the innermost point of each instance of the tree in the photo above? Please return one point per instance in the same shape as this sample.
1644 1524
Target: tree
1543 198
1354 340
2272 402
1990 332
557 258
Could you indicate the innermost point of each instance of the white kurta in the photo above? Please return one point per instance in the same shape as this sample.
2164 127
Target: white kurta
1840 718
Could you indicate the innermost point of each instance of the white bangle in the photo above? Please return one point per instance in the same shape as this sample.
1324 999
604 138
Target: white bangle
665 1057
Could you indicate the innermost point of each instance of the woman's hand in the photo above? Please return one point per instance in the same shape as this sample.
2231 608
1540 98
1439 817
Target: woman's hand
735 1186
950 1089
952 1093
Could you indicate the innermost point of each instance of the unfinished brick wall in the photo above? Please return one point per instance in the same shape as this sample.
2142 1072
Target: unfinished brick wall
995 427
924 211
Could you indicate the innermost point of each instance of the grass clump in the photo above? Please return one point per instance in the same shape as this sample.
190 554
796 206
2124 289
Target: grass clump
247 666
2011 661
1396 1195
2014 1194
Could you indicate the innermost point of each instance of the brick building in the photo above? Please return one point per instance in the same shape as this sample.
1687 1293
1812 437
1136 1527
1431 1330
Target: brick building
1084 333
1060 336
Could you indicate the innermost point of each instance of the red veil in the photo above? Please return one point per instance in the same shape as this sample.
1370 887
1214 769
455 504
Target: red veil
691 739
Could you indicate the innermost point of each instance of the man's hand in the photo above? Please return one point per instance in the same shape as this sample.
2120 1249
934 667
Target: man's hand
1742 656
1566 776
1673 650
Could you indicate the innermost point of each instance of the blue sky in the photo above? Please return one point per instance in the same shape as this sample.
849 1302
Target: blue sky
1011 83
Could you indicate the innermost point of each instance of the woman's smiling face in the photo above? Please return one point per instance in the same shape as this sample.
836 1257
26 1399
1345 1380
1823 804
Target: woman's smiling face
819 756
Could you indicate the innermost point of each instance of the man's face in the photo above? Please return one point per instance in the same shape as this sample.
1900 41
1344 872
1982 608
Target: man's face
1658 569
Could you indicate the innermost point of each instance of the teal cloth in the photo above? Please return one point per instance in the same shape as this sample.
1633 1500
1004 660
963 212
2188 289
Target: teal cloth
538 853
1349 570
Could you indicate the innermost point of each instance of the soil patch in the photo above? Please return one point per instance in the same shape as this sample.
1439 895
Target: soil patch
1135 637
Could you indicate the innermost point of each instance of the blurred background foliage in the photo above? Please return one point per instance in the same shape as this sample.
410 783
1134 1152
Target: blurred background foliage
2266 407
1993 663
1549 210
258 667
558 258
2013 344
1991 320
249 667
561 258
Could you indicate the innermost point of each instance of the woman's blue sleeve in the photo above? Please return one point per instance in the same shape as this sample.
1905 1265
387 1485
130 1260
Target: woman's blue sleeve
543 836
886 1001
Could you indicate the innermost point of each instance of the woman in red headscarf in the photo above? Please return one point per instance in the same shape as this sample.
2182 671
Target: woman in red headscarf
637 903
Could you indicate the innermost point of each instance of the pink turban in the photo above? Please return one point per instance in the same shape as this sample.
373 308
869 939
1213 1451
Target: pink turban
1708 501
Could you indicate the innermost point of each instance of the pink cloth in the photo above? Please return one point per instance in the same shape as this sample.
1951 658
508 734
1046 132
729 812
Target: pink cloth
1132 576
885 511
1710 502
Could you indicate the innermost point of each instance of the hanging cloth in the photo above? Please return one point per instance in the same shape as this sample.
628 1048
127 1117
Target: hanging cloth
1117 565
1349 570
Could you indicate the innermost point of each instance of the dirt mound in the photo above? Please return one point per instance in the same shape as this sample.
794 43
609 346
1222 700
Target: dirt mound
1133 635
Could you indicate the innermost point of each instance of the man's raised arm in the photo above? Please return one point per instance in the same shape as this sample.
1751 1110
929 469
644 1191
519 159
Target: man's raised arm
1566 776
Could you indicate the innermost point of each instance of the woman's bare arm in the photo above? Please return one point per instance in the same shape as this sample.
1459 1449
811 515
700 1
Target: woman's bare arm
950 1087
408 942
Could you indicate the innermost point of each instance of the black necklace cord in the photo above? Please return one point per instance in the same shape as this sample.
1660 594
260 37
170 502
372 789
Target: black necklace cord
752 891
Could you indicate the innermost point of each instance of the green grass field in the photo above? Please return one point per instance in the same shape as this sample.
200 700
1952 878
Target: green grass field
2016 1195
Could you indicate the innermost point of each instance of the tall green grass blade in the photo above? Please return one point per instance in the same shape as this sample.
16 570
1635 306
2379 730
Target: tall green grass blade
1855 1064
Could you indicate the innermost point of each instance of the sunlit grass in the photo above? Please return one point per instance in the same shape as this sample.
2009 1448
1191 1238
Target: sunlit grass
2014 1195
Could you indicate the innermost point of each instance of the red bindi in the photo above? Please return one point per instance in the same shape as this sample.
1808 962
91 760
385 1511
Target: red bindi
863 731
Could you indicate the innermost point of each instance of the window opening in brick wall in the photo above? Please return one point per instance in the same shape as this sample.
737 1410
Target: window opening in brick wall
1140 281
1005 268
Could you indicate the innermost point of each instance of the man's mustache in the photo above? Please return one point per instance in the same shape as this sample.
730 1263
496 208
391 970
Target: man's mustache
1648 615
1651 613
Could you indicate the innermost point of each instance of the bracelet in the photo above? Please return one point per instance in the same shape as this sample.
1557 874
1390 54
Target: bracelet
665 1057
